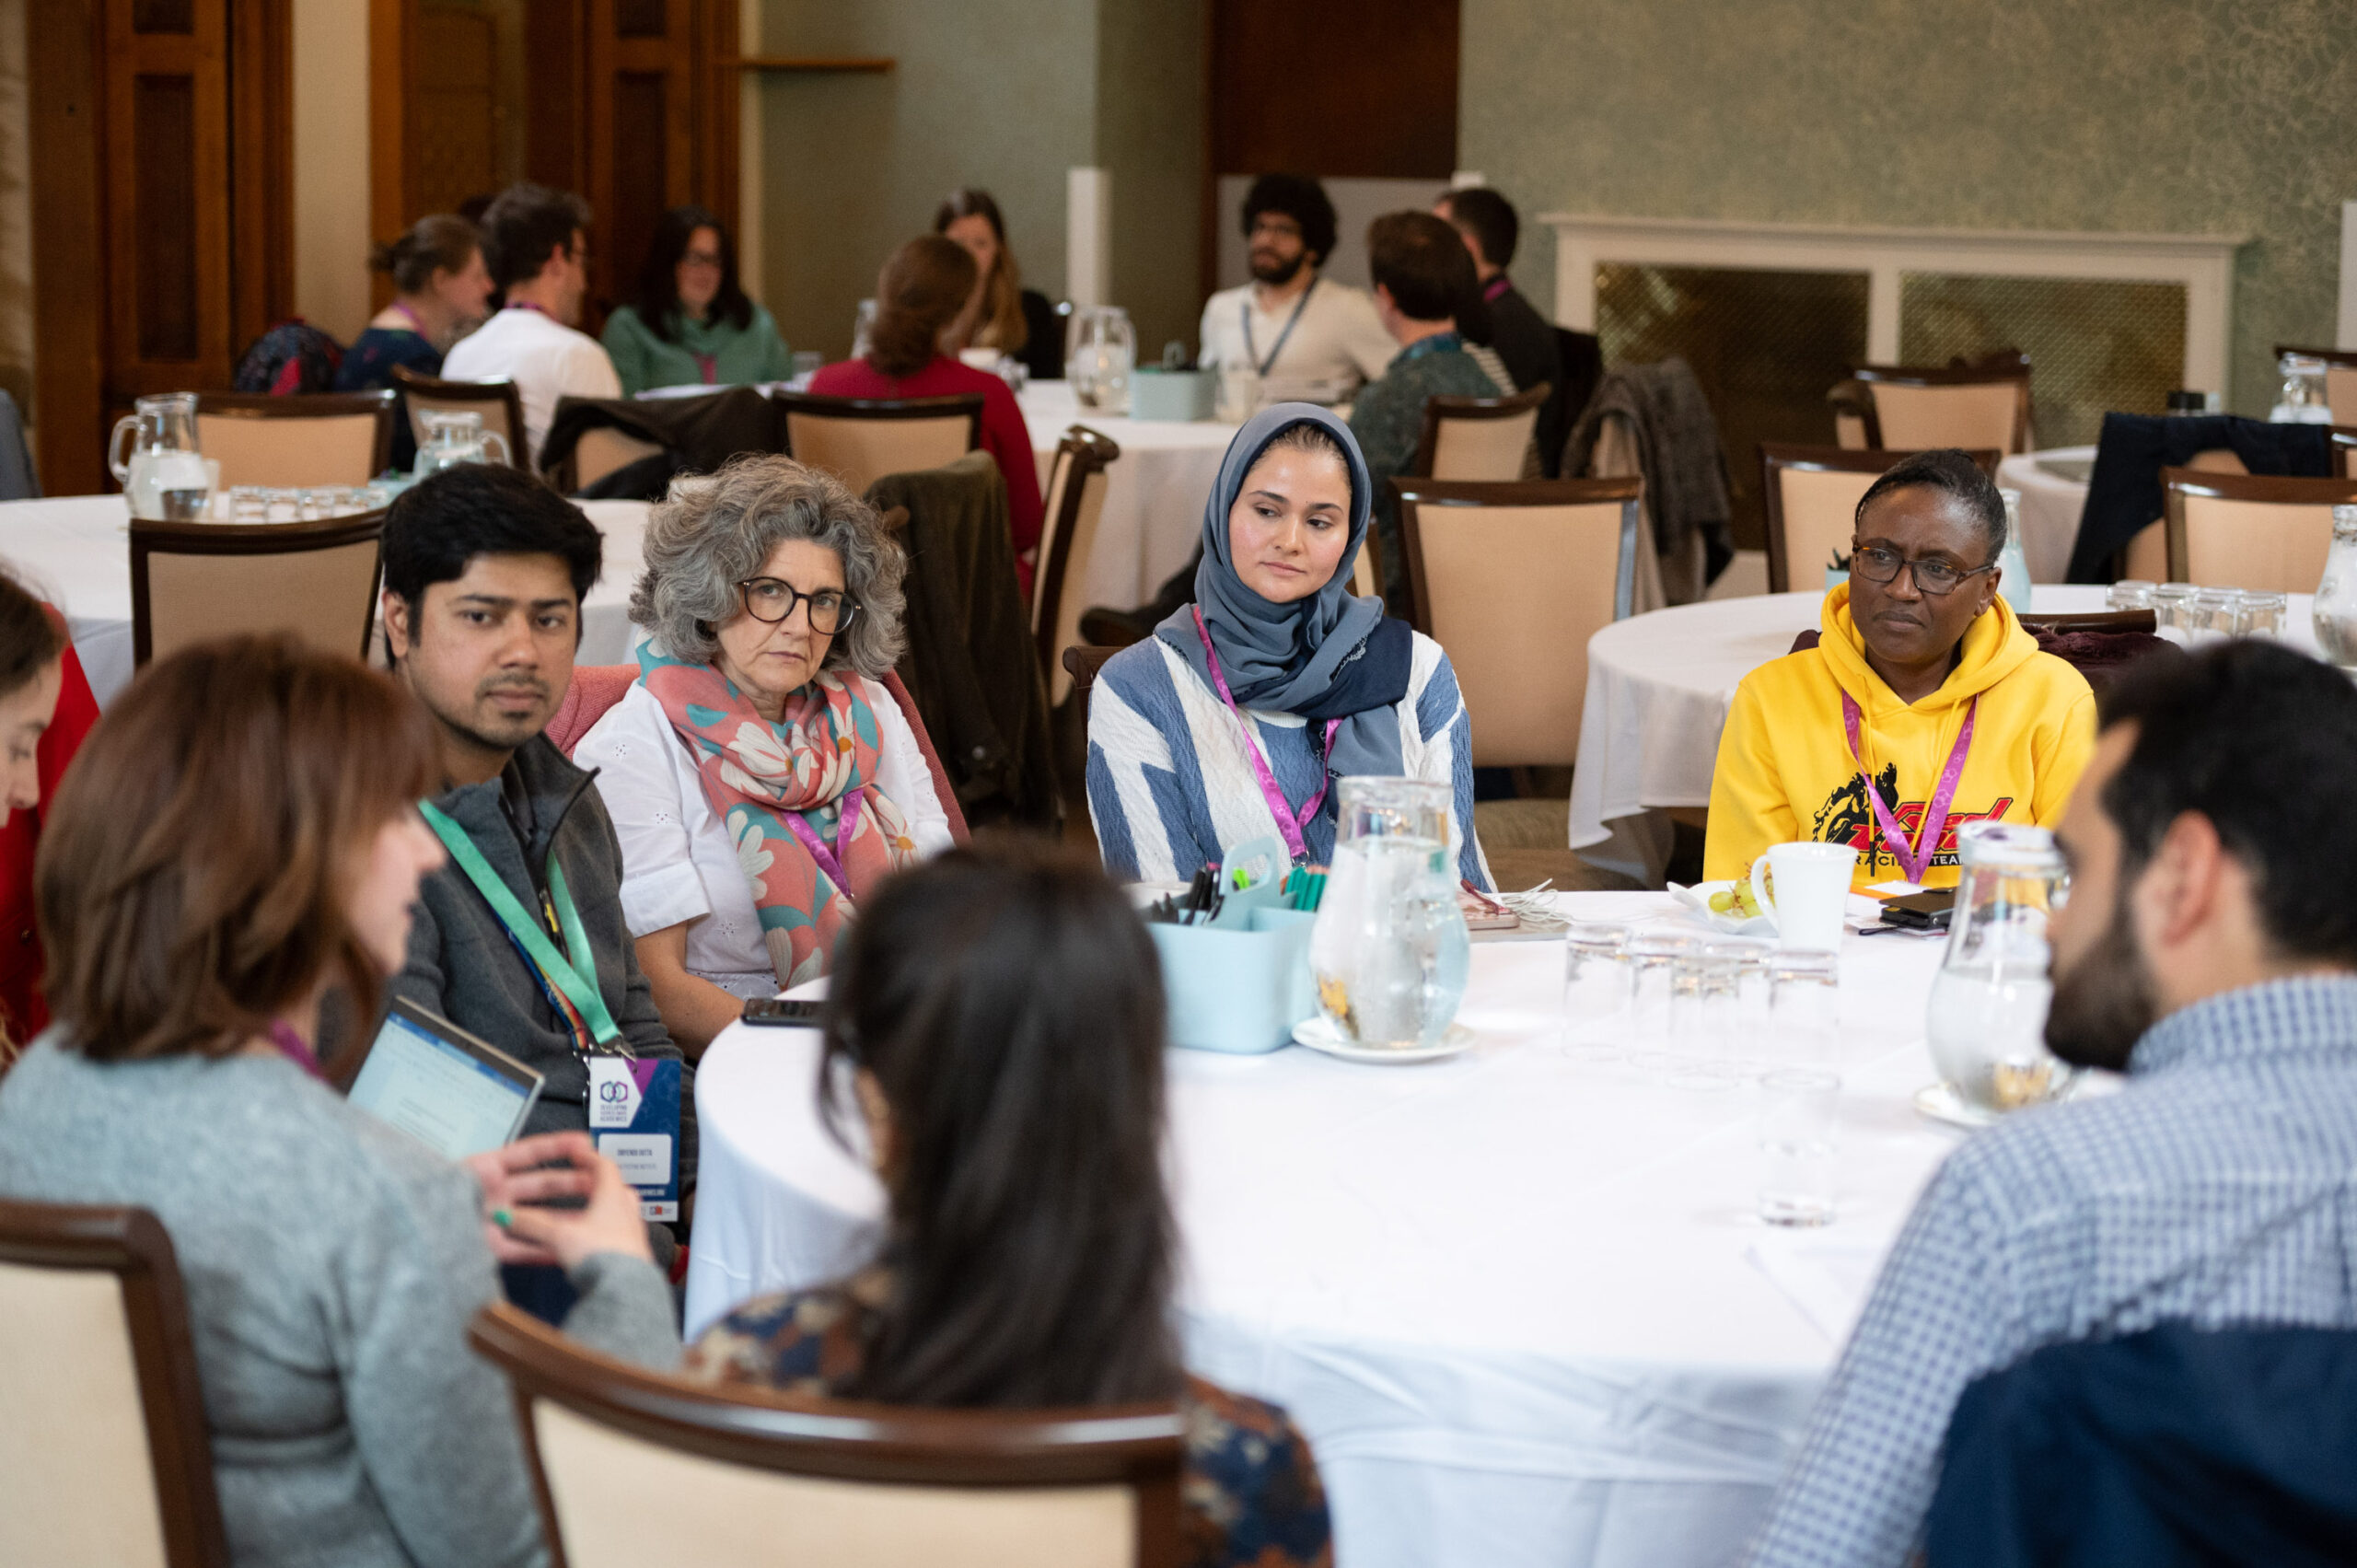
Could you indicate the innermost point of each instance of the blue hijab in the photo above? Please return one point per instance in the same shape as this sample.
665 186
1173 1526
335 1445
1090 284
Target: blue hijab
1331 656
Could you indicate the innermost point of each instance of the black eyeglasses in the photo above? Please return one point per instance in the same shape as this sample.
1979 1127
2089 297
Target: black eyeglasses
770 601
1934 577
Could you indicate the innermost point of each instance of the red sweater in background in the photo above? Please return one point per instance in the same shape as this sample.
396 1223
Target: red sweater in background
1005 435
27 1014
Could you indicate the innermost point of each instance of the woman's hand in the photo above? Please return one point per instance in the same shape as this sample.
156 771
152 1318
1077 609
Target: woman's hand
610 1223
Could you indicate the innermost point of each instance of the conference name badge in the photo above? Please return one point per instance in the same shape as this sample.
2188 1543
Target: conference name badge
634 1116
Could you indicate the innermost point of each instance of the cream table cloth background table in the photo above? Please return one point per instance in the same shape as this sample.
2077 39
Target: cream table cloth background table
1154 495
75 551
1518 1299
1658 688
2050 508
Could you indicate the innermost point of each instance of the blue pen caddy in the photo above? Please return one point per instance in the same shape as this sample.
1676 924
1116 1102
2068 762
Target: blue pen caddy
1241 982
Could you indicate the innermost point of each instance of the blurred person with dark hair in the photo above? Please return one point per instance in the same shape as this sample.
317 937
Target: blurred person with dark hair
691 323
998 1016
1301 337
2208 951
1009 318
237 844
46 709
441 292
537 242
926 301
1524 338
1427 298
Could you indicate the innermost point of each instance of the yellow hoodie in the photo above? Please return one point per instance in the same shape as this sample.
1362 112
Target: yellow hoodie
1786 770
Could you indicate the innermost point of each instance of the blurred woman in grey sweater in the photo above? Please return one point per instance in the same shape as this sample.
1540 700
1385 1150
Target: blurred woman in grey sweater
237 838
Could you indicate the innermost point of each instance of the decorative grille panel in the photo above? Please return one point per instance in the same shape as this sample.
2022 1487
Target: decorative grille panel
2094 345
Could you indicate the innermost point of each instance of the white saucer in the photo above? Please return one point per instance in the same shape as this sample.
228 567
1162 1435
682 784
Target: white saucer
1319 1033
1942 1103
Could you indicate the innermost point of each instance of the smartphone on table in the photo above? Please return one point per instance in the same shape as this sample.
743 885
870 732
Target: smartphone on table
783 1012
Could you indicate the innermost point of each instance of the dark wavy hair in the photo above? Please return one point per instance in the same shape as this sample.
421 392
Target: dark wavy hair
523 224
1003 303
30 635
658 280
438 242
1429 272
1007 1001
1300 198
1488 218
922 289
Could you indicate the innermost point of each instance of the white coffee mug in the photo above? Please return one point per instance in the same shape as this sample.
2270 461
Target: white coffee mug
1812 887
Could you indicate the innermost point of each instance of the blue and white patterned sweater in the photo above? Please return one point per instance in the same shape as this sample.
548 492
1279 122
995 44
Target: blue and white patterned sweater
1171 785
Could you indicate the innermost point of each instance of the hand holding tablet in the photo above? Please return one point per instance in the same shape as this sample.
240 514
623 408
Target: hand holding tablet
512 1178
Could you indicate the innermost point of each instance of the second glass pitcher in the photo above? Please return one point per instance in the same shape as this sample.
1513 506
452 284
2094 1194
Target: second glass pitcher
1390 950
456 437
1987 1021
163 474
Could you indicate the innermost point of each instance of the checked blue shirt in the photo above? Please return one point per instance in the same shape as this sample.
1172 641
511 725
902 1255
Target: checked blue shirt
2219 1188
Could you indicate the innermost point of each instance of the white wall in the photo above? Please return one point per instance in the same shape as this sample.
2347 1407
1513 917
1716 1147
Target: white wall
331 240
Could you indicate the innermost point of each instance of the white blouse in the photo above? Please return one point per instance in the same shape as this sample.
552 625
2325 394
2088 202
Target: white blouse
679 863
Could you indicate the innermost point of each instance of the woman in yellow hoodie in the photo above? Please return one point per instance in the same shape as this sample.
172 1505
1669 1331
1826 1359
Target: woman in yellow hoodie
1925 705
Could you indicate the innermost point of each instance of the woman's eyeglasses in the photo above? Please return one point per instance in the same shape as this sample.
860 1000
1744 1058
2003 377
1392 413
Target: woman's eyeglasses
1933 576
770 601
700 259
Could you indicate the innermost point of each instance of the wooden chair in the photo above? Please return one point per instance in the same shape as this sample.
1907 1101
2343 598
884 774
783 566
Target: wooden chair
104 1457
859 440
312 438
2261 532
2344 450
749 1477
603 450
1513 579
1480 438
2340 377
1081 661
1912 407
501 406
190 582
1812 494
1075 501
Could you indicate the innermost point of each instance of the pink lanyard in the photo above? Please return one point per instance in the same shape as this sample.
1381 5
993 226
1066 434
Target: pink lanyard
291 1045
707 366
1935 820
413 321
1289 822
830 860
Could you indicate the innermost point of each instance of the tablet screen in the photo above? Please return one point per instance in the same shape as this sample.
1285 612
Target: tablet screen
441 1085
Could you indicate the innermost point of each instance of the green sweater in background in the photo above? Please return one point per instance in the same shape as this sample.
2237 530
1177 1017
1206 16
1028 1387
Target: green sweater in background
1388 419
739 355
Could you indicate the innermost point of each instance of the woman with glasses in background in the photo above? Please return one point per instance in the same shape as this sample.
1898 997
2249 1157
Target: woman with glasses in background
760 776
1924 705
691 323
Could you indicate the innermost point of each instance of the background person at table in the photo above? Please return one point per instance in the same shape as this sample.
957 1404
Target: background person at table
537 241
238 837
1007 317
691 323
46 709
1917 664
1000 1013
485 570
441 292
760 776
1323 685
1307 338
1524 338
2209 949
1427 298
926 300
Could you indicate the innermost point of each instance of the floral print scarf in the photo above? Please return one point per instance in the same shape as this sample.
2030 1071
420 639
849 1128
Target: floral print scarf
813 829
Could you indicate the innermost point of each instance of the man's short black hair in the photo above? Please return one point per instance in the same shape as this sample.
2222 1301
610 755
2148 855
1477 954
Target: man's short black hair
1300 198
1489 218
1423 265
440 524
523 224
2261 740
1948 469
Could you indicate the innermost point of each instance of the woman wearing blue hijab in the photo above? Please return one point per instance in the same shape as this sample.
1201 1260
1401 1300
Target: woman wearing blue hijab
1232 721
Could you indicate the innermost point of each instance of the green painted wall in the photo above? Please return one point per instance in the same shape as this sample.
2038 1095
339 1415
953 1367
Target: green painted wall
2186 116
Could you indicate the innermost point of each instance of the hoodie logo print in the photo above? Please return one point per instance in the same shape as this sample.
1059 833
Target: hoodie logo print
1845 819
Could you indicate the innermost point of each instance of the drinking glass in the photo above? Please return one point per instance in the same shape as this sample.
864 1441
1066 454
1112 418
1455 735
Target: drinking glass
2216 614
807 362
1800 1147
1653 959
2263 615
2334 614
2129 593
2171 602
249 504
1804 1008
1595 982
1735 1019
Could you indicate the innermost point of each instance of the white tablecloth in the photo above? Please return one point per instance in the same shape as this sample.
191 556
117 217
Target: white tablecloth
1517 1300
1658 687
1154 497
2050 508
75 550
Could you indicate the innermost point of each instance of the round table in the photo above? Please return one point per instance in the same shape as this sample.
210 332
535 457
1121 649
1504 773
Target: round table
1658 688
2051 507
1154 493
1516 1299
75 550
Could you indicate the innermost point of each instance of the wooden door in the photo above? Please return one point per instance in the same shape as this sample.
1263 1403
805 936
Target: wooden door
662 125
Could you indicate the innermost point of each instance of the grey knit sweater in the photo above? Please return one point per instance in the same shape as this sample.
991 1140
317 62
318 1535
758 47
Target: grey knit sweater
332 1265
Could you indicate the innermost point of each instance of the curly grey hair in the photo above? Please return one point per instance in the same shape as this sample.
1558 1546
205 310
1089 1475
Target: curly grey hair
713 532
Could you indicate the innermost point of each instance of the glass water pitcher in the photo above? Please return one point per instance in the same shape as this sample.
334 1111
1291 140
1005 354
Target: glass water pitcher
1987 1022
1104 351
163 474
1390 949
2335 612
2304 399
455 437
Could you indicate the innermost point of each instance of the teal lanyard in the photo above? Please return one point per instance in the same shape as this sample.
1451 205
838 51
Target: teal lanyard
555 967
